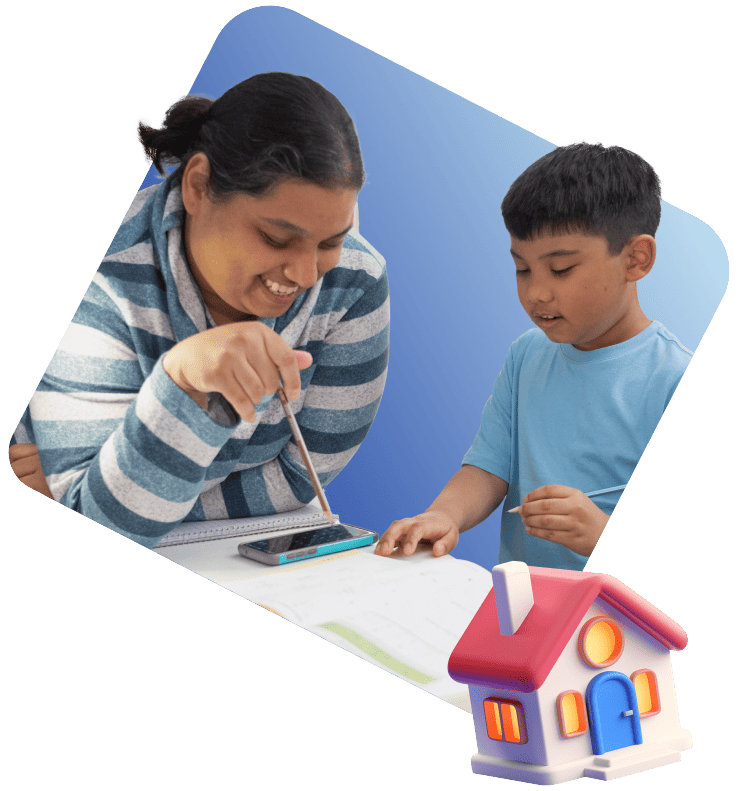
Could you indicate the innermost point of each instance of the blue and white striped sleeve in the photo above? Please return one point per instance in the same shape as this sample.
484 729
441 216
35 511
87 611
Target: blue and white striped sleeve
126 449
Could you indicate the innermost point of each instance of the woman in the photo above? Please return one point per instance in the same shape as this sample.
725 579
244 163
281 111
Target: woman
239 271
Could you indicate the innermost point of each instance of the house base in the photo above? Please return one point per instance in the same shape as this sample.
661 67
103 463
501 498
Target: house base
608 766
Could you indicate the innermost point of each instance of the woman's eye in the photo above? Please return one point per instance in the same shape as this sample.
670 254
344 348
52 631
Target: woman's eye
522 272
273 242
560 272
281 244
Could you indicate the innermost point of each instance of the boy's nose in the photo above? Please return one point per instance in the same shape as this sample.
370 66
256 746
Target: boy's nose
539 292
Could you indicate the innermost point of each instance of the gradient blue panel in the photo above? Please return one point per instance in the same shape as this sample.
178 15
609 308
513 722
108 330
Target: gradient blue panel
437 169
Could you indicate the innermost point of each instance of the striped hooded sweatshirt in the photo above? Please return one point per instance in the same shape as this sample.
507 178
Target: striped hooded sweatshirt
120 442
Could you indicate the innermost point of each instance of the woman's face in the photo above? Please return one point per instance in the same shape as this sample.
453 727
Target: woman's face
257 255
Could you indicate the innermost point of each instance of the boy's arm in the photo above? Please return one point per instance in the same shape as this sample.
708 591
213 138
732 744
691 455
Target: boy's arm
471 496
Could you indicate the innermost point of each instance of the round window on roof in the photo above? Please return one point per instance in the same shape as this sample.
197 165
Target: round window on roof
601 642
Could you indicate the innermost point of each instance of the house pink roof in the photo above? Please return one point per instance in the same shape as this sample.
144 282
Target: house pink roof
522 661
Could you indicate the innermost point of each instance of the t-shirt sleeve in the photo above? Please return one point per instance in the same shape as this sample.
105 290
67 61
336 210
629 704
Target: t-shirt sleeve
492 448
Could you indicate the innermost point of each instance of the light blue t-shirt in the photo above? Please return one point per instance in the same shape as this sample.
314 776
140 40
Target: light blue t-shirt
558 415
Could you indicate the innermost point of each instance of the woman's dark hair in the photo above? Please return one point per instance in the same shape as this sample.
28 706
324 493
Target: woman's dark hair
268 127
585 188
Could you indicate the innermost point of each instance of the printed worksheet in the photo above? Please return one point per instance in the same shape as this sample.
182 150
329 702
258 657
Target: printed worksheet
405 615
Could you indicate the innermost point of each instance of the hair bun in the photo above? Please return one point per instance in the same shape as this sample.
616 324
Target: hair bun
269 127
188 115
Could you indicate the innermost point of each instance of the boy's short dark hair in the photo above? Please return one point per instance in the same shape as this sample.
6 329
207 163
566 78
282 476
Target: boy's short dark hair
585 188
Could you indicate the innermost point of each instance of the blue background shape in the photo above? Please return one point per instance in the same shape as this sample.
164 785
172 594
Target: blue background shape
437 168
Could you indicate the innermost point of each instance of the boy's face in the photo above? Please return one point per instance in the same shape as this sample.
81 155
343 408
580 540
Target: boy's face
576 292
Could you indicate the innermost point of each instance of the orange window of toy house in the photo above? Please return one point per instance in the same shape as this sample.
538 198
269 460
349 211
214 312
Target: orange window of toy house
647 692
571 714
505 720
601 642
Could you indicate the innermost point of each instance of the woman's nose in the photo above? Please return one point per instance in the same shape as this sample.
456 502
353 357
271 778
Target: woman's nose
303 269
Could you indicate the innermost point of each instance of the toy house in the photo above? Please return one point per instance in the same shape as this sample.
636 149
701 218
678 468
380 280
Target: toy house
569 675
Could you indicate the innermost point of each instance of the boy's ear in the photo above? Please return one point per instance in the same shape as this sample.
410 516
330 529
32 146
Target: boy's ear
641 254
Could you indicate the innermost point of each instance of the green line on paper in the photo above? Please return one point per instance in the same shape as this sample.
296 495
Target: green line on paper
369 648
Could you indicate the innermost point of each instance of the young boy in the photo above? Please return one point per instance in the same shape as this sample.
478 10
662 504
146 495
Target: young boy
577 399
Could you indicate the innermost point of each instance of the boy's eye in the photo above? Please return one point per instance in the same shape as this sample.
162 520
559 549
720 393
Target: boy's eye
330 245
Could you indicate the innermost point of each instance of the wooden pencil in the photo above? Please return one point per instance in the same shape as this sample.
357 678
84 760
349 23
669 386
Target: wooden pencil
305 455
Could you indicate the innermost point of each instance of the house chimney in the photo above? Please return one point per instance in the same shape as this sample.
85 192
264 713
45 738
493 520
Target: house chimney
512 588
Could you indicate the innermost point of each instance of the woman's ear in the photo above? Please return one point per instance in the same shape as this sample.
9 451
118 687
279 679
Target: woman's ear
194 183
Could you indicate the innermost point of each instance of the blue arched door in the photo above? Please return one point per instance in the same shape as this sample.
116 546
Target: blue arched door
614 721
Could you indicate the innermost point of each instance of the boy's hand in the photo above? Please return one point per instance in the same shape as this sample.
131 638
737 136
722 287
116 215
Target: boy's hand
433 527
563 515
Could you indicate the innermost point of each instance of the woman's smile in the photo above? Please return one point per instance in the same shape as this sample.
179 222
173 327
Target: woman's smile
277 289
276 294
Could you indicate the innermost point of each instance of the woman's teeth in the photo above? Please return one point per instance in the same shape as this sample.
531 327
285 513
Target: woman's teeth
275 288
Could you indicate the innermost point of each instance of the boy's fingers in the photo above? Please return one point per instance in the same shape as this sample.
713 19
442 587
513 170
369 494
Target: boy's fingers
547 506
412 540
445 545
552 490
438 534
550 522
409 533
388 541
543 505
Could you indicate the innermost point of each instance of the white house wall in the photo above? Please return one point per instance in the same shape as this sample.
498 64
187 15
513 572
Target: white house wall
571 673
